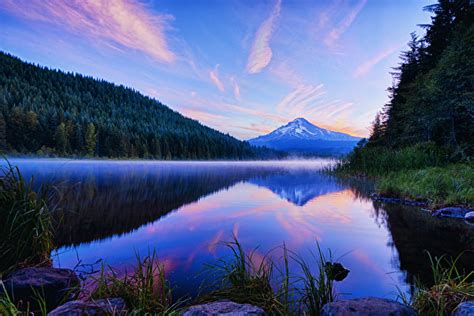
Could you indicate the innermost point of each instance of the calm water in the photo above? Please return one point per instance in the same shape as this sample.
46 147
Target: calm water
114 209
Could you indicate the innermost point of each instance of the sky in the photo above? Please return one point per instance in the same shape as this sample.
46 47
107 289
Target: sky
243 67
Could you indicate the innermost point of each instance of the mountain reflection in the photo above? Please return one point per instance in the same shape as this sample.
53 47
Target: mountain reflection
299 187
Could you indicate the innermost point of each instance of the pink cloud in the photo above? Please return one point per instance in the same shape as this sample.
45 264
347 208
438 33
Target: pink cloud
367 66
261 53
214 76
236 88
118 23
337 31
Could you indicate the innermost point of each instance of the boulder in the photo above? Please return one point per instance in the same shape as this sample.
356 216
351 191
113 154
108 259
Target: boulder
53 285
452 212
469 217
464 309
223 308
368 306
102 307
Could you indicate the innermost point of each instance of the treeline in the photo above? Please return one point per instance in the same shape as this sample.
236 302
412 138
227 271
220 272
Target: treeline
432 98
49 112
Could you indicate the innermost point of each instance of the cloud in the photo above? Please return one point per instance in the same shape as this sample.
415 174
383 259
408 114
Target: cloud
117 23
236 88
214 76
367 66
261 53
337 31
287 74
297 101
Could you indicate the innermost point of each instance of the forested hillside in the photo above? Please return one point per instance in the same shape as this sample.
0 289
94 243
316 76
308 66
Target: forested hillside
432 99
422 142
49 112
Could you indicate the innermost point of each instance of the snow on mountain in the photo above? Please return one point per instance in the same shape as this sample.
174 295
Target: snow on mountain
302 129
301 136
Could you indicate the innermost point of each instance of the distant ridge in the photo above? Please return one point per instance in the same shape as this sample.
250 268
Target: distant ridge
301 136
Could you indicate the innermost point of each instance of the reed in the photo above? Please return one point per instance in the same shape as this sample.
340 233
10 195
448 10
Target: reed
27 228
270 284
451 287
318 288
145 290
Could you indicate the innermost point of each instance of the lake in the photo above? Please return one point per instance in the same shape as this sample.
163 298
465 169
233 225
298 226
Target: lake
111 210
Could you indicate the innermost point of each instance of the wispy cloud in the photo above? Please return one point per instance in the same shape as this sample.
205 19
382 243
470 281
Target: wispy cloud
297 101
117 23
343 25
236 88
214 76
287 74
261 53
367 66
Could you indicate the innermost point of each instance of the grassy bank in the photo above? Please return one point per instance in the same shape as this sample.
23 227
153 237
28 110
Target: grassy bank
419 172
450 185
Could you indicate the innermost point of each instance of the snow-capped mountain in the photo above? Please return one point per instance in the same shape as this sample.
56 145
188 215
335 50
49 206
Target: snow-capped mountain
300 135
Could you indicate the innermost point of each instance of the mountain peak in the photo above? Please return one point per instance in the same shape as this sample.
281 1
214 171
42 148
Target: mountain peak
300 132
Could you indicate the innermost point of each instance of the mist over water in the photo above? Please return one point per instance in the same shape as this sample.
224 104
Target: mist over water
111 210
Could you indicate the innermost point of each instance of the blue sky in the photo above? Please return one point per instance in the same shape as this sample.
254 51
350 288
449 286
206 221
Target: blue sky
242 67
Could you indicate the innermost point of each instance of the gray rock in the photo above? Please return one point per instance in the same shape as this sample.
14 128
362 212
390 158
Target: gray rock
469 217
367 306
111 306
452 212
464 309
53 285
223 308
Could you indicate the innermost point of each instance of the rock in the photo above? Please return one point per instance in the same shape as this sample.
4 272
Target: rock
55 286
452 212
469 217
464 309
223 308
368 306
335 271
111 306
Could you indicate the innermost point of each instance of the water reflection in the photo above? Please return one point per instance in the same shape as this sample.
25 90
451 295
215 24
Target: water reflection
183 209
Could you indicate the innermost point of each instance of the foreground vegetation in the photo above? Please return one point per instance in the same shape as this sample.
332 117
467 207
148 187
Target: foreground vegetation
27 222
450 288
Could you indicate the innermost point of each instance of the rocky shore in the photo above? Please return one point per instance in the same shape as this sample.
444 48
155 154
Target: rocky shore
459 212
60 289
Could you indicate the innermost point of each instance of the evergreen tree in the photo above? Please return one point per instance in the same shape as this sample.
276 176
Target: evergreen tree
60 137
91 139
3 133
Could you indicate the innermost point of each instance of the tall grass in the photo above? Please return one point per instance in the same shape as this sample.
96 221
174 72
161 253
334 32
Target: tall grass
245 279
26 232
145 290
318 288
451 287
270 284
